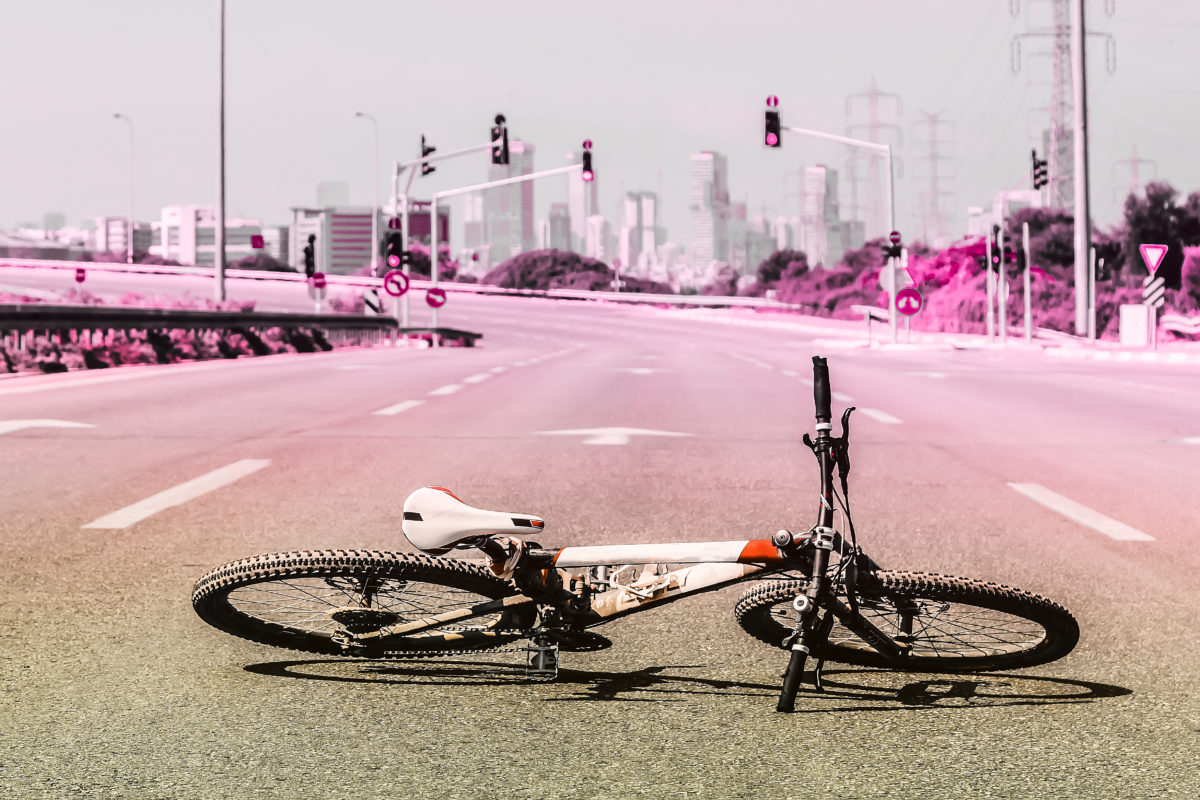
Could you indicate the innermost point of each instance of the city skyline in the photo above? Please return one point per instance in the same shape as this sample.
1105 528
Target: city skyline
72 160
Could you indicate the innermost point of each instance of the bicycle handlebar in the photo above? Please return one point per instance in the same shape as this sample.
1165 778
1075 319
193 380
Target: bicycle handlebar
821 390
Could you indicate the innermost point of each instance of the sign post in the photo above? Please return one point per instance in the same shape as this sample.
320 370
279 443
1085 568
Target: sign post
908 302
316 290
1153 287
894 238
1028 302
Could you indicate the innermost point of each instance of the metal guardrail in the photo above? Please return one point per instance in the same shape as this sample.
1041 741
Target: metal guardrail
449 286
54 317
1178 323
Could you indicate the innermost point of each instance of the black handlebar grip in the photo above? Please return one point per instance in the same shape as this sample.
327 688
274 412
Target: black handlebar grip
821 389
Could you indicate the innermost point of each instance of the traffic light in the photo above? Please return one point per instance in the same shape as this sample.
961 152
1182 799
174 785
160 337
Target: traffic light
771 138
1040 172
890 251
393 249
426 150
310 256
588 175
499 141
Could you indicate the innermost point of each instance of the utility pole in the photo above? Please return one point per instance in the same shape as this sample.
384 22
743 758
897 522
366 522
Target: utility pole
1135 181
874 126
1083 221
219 223
935 192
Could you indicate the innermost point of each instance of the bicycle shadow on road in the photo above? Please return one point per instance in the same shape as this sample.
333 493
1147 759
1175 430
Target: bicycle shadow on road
862 689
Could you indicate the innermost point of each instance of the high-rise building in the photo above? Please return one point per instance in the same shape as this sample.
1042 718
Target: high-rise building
821 225
639 233
343 245
583 200
187 234
508 210
708 203
599 242
110 235
560 226
474 221
759 242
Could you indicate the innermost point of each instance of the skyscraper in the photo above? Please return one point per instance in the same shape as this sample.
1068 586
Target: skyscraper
583 200
508 210
821 228
708 202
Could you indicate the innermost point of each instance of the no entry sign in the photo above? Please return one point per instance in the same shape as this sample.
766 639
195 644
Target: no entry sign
318 280
436 297
80 275
395 283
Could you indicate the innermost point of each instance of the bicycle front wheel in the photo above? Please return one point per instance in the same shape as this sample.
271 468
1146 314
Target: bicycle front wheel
348 603
950 624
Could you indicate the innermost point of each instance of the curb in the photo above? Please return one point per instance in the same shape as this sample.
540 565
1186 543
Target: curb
1125 356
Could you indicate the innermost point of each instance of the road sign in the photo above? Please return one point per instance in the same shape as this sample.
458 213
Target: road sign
908 301
894 237
436 297
903 274
1153 255
394 224
318 280
256 241
1154 289
395 283
80 275
371 301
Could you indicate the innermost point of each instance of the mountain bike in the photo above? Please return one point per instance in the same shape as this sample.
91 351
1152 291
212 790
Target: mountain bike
819 596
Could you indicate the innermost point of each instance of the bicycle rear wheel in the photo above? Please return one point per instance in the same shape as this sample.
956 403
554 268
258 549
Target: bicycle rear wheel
347 603
952 624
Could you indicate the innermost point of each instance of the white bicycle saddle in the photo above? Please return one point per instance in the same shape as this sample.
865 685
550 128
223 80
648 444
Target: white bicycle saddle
435 521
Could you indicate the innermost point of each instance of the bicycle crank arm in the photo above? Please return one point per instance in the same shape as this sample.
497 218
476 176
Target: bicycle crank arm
866 630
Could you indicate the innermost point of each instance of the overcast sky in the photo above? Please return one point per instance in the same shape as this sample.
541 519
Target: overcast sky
649 81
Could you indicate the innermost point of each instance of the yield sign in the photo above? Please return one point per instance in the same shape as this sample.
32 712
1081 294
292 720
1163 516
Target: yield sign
610 435
1153 255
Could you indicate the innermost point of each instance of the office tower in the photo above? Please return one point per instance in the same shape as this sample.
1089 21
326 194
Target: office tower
708 203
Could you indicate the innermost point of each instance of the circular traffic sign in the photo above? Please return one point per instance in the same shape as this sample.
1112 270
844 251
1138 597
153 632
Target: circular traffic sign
80 275
395 283
587 144
772 101
436 297
318 280
908 301
894 237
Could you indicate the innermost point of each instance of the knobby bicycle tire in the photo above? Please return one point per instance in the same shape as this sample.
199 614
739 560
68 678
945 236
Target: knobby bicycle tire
285 600
959 624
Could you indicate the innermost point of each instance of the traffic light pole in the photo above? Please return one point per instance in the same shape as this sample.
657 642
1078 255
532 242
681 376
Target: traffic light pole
886 150
1001 291
433 240
988 281
1028 300
398 168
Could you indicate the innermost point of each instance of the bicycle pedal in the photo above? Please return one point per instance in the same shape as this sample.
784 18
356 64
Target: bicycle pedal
541 663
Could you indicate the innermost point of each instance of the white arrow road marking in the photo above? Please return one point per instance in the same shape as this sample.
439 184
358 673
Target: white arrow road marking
483 376
178 495
639 370
880 416
1081 513
449 388
611 435
399 407
10 425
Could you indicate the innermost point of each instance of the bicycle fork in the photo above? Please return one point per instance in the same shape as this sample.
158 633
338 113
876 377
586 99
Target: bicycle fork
811 630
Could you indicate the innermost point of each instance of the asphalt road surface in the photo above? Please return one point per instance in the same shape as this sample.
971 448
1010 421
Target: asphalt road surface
114 688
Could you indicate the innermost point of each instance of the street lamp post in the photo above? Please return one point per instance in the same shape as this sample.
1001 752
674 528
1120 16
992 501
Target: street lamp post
129 229
375 202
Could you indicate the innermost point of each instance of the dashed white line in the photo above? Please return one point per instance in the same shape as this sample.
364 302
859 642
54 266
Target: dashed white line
790 374
449 388
843 398
1192 440
178 495
1081 513
482 376
398 408
880 416
499 369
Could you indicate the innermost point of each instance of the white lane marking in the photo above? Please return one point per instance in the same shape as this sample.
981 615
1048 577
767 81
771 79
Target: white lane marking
359 366
449 388
638 370
1192 440
1081 513
499 369
929 374
398 408
880 416
610 435
652 358
790 374
482 376
26 291
178 495
10 425
843 398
